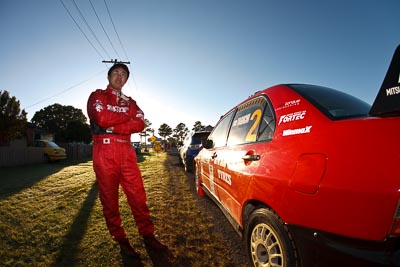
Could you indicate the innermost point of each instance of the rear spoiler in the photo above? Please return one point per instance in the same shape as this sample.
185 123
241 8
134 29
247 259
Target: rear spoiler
387 102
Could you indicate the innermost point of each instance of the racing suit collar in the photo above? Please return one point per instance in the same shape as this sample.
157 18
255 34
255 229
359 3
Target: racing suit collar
113 91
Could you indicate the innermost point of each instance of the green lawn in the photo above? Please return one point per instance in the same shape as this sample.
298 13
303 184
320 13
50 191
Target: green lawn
50 215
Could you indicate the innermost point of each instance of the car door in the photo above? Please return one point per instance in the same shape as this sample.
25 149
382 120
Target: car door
207 156
236 163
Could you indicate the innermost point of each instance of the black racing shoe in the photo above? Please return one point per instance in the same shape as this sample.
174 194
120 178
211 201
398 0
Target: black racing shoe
127 249
152 243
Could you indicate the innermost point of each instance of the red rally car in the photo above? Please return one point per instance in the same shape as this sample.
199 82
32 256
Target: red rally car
308 175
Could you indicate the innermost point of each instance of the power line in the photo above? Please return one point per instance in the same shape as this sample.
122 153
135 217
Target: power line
108 37
120 42
63 91
87 24
76 23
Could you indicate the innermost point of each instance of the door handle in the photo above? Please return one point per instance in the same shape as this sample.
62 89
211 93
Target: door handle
251 157
214 155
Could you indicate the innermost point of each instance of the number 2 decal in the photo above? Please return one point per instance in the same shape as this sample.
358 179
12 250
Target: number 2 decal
252 133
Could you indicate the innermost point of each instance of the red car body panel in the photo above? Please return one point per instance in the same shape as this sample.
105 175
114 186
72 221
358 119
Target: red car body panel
319 172
328 179
340 177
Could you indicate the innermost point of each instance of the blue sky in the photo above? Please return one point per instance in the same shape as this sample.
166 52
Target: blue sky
193 60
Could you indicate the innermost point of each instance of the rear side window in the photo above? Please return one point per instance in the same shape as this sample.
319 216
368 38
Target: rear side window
333 103
253 121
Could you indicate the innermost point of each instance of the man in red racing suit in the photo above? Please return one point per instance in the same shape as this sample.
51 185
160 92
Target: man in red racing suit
113 118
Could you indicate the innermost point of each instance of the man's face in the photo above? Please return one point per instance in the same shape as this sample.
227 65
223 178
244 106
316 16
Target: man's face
117 78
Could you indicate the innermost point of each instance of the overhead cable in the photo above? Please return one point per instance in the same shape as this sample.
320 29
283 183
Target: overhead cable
81 29
116 30
65 90
120 42
87 24
108 37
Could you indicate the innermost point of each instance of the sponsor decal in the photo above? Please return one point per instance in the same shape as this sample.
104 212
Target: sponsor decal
393 91
304 130
292 117
241 120
223 176
211 175
98 106
289 104
117 109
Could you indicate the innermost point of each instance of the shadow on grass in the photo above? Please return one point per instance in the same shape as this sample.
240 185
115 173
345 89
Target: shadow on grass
70 246
15 179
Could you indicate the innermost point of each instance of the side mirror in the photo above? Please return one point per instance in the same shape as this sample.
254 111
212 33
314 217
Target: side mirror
207 143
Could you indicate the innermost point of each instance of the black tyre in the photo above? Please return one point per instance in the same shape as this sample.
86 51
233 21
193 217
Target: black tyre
268 242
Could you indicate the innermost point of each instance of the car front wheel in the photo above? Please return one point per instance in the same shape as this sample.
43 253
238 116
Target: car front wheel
268 242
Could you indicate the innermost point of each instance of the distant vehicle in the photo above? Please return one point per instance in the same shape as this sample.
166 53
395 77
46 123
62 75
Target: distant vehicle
191 147
138 147
309 175
51 151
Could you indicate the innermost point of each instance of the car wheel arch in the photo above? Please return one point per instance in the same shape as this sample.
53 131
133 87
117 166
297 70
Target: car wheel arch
252 205
257 216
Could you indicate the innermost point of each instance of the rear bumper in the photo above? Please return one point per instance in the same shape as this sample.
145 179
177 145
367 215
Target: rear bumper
318 248
57 157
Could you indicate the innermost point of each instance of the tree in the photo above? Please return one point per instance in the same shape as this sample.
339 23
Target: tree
77 131
180 132
144 133
12 119
164 130
198 126
147 128
56 119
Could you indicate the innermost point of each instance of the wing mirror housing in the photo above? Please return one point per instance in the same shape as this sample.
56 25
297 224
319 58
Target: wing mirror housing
208 143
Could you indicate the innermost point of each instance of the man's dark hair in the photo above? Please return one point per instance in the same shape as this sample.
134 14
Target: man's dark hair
118 65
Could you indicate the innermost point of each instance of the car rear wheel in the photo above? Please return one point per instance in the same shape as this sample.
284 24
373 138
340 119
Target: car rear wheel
268 242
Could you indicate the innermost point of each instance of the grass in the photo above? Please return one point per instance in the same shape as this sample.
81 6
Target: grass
50 215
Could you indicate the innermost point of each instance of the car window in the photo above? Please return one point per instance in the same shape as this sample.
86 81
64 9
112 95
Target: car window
250 120
52 144
267 127
220 132
333 103
197 138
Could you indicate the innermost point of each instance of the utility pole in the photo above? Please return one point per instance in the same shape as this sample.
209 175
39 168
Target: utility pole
115 61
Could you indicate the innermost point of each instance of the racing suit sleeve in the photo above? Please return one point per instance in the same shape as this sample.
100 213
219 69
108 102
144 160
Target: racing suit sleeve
98 112
136 123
